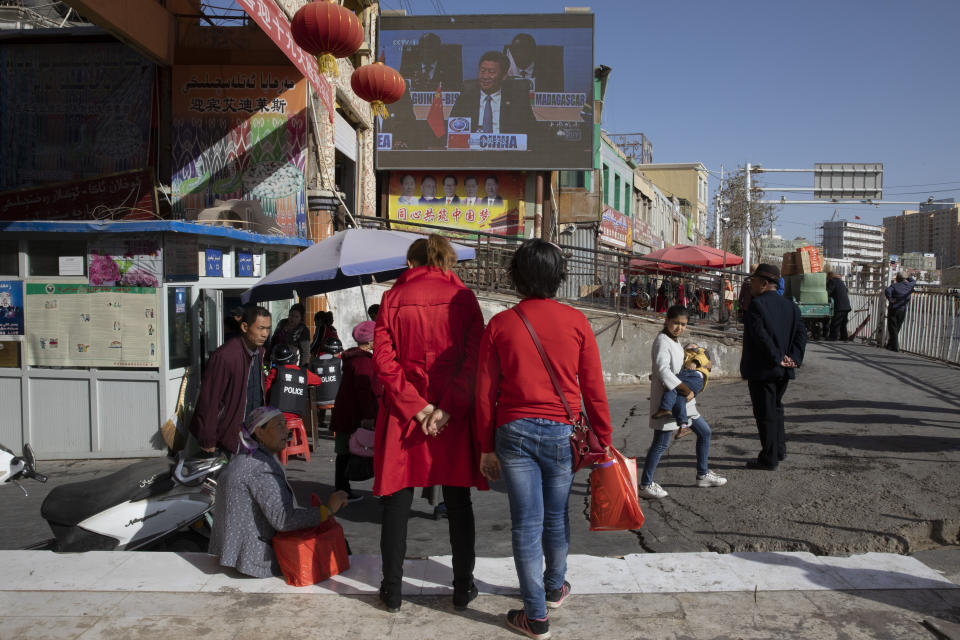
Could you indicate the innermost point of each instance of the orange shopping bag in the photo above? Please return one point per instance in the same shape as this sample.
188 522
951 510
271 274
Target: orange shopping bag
309 556
614 504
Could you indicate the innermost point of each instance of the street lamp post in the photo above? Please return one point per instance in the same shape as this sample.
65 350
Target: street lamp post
746 226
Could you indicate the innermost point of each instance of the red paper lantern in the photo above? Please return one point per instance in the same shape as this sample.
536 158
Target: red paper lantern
379 85
324 28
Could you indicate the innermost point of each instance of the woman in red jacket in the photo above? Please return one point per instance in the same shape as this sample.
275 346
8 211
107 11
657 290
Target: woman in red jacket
425 353
523 427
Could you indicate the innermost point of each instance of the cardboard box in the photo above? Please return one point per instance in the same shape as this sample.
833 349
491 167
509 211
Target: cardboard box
803 265
791 264
810 259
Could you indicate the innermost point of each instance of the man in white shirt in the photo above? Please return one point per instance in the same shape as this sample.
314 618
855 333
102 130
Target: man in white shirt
492 185
470 187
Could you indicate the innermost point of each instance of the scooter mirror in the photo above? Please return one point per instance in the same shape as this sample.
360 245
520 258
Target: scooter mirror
28 456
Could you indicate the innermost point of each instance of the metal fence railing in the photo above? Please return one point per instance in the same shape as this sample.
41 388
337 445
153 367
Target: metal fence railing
931 327
596 278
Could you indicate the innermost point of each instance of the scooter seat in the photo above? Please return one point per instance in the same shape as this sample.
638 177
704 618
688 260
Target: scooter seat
70 504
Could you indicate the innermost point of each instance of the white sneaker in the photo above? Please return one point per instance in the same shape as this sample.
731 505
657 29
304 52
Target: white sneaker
711 480
653 491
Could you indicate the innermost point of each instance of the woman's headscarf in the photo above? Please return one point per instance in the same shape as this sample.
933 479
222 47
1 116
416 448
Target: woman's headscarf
257 418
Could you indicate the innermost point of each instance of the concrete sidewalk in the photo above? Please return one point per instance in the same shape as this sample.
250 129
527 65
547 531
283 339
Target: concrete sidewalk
140 595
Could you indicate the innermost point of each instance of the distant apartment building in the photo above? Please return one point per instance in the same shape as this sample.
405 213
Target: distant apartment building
918 261
934 228
688 183
847 240
772 246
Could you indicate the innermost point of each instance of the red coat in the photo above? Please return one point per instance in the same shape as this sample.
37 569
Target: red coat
425 352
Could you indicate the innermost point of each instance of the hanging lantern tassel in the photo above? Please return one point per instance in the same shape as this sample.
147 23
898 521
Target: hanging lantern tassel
327 65
379 109
379 85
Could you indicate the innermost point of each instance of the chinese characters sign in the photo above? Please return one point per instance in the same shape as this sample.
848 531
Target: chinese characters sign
461 200
241 133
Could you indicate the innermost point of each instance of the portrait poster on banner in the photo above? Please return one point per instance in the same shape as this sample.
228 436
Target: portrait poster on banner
459 200
490 92
11 308
240 132
127 262
79 325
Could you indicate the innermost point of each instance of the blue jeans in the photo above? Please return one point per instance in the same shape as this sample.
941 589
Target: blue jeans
661 440
676 403
537 466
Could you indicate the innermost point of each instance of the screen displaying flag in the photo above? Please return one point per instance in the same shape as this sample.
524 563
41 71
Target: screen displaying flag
435 117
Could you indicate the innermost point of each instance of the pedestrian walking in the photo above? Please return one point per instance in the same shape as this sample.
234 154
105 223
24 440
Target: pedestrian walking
898 297
233 384
524 429
774 339
837 291
425 354
667 355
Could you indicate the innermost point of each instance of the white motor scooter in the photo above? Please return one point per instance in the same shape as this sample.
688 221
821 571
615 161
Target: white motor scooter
155 504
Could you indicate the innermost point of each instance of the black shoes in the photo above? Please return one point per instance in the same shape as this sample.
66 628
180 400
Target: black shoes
461 598
755 464
391 600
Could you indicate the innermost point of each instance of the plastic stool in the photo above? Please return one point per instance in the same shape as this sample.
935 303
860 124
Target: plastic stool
298 444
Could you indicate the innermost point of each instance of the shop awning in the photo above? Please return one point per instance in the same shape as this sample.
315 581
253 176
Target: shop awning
148 226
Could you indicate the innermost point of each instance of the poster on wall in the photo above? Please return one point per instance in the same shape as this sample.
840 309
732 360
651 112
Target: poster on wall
125 196
461 200
72 111
83 326
240 132
615 229
11 308
490 91
127 262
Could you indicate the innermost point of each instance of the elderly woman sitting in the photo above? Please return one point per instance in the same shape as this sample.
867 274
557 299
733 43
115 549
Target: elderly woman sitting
254 501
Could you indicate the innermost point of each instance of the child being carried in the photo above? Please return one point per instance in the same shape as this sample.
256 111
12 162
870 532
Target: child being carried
694 374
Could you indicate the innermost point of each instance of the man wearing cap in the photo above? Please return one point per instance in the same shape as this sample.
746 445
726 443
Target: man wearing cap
774 339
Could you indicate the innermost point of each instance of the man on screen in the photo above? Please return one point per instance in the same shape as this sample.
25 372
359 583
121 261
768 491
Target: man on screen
409 193
492 186
470 187
529 62
493 104
428 190
450 190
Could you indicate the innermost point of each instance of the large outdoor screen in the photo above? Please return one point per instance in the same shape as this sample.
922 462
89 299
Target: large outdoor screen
489 92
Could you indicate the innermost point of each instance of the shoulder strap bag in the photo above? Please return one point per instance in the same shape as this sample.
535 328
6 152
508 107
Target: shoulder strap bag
584 443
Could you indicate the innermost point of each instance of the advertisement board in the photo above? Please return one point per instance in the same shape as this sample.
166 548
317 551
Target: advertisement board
72 111
489 92
128 262
615 229
463 200
129 194
241 133
11 308
79 325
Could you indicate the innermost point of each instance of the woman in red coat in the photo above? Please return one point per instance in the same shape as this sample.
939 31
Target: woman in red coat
425 353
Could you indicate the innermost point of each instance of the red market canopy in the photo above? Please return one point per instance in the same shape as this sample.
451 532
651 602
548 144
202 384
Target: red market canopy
692 257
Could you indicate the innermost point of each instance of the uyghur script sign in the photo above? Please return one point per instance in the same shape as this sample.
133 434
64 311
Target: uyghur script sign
129 195
275 24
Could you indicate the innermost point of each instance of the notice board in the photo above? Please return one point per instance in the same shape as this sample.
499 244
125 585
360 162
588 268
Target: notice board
76 325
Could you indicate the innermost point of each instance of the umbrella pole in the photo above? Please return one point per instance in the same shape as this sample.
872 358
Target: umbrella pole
362 295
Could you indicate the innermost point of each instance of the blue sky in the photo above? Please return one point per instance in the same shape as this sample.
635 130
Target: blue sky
782 84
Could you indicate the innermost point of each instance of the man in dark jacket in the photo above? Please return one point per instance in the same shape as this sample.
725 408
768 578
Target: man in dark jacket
898 295
233 384
774 339
837 291
493 103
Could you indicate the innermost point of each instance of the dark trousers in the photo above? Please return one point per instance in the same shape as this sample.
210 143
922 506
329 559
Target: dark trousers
894 322
838 325
767 399
340 481
393 535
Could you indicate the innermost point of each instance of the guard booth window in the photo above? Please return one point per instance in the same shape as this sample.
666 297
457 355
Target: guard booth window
44 256
9 252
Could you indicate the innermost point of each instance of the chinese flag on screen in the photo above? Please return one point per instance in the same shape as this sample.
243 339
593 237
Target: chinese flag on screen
856 217
435 117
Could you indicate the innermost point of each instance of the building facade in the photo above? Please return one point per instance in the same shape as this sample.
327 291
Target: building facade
688 183
934 228
852 240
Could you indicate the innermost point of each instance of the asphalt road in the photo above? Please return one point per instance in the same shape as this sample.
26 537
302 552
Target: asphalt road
873 447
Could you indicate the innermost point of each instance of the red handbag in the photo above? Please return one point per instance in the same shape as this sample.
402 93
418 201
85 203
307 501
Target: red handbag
309 556
584 443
